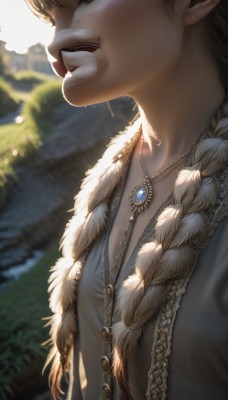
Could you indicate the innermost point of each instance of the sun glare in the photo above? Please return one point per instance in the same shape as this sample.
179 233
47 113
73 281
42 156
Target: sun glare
20 29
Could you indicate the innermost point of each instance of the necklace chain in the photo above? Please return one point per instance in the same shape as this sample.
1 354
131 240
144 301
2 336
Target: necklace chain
141 195
159 173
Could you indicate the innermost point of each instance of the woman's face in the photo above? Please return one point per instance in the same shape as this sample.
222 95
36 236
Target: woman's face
110 48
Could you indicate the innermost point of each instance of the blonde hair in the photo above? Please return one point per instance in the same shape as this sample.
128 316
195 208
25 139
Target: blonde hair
167 256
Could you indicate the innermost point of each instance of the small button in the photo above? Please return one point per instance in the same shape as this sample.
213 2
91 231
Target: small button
106 391
105 364
109 291
105 334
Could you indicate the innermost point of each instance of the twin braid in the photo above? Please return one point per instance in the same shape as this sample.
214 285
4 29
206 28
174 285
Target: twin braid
89 220
171 251
167 256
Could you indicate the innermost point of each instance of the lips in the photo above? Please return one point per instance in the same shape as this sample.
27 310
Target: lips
84 46
60 66
68 47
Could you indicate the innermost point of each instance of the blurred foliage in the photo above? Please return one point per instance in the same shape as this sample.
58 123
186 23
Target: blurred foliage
3 61
2 65
42 102
17 141
23 304
28 80
8 100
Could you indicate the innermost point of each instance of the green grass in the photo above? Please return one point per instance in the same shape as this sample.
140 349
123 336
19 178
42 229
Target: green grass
23 96
41 104
8 99
23 304
18 141
28 80
15 142
19 138
32 76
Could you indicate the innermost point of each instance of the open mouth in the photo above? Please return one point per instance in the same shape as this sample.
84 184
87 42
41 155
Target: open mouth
85 46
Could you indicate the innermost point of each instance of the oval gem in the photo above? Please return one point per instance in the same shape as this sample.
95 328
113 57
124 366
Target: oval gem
140 195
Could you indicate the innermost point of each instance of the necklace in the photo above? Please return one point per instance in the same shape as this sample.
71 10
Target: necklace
142 194
111 275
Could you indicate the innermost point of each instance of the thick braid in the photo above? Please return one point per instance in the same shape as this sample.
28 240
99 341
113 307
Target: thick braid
170 253
88 221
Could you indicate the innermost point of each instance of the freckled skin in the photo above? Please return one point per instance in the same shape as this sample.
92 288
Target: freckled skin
139 45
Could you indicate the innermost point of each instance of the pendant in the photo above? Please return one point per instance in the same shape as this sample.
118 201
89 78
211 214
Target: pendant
141 196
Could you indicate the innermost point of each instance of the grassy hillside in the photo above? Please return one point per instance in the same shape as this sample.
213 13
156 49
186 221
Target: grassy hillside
18 140
28 80
22 306
8 99
24 302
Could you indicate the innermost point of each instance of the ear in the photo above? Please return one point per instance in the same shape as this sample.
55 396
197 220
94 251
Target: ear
199 9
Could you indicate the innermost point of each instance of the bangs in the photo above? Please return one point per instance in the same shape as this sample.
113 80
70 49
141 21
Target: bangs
42 8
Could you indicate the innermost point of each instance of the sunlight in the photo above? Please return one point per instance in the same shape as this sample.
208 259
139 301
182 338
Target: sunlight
20 29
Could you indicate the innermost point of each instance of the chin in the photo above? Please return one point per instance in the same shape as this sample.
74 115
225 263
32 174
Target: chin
88 94
82 99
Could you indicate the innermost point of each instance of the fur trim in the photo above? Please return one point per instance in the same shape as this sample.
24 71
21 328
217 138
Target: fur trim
192 225
168 223
187 185
206 196
169 254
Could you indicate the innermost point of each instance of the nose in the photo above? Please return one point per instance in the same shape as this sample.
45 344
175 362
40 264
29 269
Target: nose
54 52
54 47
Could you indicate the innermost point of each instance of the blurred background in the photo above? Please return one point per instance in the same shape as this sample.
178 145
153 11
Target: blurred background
46 146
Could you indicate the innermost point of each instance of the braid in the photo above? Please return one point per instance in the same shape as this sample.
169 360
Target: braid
170 253
89 220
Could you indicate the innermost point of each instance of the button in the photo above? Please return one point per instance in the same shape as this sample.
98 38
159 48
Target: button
105 334
106 391
105 364
109 291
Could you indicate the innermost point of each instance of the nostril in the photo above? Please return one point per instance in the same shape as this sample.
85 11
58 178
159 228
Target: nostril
52 51
57 64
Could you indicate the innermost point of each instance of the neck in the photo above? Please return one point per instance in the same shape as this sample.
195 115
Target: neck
177 112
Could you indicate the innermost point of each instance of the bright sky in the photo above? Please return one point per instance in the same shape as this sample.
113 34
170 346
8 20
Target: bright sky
20 28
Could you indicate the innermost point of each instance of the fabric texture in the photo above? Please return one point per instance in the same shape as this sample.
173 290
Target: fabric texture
198 364
150 297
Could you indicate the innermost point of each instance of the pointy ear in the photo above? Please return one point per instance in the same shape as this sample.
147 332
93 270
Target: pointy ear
199 9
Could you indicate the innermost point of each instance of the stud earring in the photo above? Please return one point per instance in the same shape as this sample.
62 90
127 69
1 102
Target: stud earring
189 13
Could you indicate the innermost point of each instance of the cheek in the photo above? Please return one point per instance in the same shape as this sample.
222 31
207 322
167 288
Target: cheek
137 36
138 43
115 21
